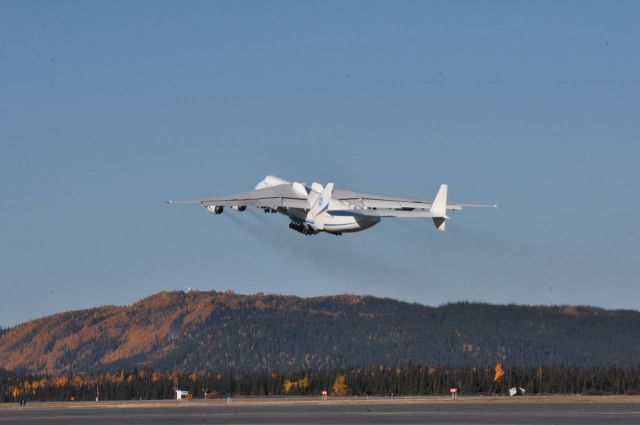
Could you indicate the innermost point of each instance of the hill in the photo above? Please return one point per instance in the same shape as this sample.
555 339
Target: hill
215 330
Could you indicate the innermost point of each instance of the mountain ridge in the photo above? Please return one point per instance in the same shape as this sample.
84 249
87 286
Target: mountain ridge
201 330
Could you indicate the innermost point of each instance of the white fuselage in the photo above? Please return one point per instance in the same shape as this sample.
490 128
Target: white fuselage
330 222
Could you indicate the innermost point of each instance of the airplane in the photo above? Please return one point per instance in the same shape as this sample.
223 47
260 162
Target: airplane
316 208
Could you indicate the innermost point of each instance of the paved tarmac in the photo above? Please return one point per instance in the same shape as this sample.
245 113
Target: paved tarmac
413 411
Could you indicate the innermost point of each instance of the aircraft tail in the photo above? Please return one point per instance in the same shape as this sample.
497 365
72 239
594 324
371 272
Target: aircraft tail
439 208
322 203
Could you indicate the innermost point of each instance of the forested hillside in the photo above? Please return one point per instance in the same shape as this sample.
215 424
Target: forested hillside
177 331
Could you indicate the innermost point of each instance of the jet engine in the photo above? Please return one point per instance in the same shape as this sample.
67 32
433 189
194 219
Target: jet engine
214 209
239 207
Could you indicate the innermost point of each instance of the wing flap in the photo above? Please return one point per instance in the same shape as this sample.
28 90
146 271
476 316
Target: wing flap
259 202
385 213
370 200
272 197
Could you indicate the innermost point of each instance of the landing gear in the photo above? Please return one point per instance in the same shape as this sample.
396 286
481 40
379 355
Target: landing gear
300 227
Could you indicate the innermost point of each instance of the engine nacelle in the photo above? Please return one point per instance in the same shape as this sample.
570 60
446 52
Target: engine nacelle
214 209
239 207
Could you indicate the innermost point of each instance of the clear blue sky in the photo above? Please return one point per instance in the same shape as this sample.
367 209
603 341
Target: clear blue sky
109 108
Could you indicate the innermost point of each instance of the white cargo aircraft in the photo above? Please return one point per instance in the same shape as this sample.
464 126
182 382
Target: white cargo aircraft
313 209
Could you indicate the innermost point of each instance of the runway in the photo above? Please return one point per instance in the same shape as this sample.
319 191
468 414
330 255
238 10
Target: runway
499 410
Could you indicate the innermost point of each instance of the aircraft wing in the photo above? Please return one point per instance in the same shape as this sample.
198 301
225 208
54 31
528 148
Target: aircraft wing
272 197
370 200
385 213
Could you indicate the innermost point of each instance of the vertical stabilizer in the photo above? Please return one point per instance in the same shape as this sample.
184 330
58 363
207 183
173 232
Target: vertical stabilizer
322 203
439 208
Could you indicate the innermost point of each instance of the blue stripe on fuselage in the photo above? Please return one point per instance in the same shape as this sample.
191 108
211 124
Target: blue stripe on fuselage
336 224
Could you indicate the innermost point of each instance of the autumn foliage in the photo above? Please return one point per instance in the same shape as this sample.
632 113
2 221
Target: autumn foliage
340 386
499 373
299 385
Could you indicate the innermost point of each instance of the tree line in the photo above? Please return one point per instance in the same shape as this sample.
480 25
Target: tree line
356 381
